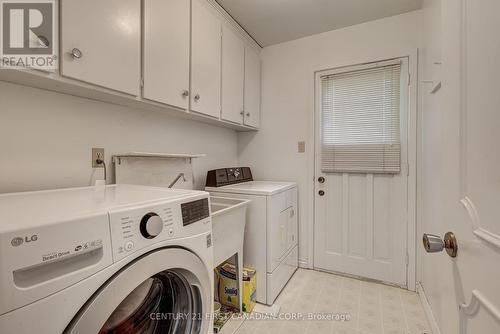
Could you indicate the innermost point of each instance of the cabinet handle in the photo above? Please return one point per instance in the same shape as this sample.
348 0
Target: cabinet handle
247 114
76 53
185 93
197 97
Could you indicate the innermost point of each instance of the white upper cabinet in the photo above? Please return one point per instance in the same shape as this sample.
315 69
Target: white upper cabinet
101 43
233 71
205 60
166 51
252 88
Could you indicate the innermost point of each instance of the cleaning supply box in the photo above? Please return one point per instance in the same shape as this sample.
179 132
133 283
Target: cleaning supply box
228 287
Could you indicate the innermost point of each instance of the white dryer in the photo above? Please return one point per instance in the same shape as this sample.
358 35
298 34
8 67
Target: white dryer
271 230
113 259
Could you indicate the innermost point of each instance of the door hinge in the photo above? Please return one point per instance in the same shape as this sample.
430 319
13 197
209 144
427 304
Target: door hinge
407 259
409 78
142 82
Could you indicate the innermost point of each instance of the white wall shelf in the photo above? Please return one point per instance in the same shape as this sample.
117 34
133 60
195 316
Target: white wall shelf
117 158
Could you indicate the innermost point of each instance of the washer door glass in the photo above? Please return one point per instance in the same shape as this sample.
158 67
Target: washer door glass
164 303
168 290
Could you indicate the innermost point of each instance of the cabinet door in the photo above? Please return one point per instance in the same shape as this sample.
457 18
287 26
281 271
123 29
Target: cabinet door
101 43
252 88
233 71
166 51
206 60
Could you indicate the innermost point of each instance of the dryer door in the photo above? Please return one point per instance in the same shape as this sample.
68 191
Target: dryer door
164 291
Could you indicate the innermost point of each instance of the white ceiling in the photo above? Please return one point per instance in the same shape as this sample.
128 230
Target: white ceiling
275 21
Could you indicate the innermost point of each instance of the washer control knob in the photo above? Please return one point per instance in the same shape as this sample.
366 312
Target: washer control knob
236 173
151 225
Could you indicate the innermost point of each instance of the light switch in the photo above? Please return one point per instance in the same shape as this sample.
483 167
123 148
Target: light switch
301 146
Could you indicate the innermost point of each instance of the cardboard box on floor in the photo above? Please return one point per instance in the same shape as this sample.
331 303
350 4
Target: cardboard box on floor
228 287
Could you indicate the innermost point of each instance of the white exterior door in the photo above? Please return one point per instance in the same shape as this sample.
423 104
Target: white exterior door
205 60
101 43
233 68
460 159
166 51
360 225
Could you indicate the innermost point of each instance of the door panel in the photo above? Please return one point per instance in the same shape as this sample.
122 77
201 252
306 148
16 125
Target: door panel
382 213
483 159
252 88
205 60
109 43
233 70
334 231
166 51
360 222
357 215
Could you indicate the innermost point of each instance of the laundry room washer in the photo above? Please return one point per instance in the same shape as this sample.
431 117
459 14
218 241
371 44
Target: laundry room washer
106 259
271 230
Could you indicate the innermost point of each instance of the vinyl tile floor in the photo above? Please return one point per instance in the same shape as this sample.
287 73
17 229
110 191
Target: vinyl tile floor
332 304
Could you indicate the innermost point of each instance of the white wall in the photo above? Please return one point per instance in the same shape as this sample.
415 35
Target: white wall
46 138
288 97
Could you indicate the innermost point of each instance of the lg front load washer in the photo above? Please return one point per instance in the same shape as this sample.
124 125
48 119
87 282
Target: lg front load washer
113 259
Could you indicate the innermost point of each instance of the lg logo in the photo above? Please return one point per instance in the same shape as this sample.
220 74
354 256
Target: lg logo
18 241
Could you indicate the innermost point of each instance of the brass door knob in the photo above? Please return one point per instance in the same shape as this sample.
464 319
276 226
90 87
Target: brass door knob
434 243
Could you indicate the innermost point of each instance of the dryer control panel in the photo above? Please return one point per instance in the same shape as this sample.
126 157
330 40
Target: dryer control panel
225 176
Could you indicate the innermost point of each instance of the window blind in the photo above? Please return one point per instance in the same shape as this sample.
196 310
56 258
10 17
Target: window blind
361 120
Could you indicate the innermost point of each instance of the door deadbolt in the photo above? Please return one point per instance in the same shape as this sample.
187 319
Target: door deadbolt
434 243
321 179
321 193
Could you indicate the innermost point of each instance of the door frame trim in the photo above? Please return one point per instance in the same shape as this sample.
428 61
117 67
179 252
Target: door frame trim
413 113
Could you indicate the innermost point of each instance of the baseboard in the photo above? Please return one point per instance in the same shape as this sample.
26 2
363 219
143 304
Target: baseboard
427 309
304 263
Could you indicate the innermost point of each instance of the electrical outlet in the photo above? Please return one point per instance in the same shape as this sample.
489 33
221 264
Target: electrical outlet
301 146
97 153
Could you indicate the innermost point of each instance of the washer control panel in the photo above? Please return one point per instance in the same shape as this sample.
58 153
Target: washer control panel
137 228
194 211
